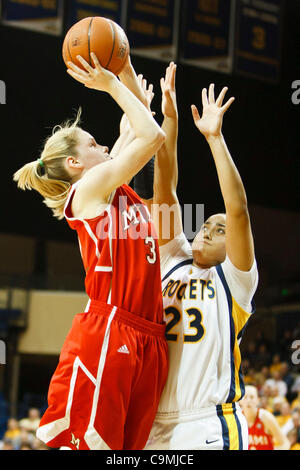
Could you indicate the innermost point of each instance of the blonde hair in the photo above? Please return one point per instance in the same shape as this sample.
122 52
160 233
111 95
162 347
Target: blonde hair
48 175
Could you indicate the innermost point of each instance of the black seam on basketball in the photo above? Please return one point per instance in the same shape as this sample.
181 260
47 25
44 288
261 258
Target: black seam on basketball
89 40
114 41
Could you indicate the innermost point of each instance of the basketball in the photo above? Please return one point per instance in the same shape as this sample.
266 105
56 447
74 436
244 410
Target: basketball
100 35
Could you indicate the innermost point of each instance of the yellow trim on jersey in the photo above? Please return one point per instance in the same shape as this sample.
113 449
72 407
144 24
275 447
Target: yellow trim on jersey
240 318
233 432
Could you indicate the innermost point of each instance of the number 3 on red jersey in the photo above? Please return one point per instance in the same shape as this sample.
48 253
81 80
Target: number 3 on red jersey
151 257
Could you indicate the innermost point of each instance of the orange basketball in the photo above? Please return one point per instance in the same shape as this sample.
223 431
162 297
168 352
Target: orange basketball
100 35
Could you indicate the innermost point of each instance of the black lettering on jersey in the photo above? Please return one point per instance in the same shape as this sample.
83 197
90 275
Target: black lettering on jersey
181 291
193 287
176 319
169 284
203 284
172 290
195 323
211 289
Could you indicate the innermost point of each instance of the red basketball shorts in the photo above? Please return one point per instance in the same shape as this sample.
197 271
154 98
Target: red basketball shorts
106 388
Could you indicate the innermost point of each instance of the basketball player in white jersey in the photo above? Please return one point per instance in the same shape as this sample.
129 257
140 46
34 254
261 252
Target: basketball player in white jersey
207 293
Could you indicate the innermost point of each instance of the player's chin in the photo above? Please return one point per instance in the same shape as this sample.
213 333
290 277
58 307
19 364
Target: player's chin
201 258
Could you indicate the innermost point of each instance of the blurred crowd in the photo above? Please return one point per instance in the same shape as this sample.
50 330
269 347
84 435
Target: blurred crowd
20 434
274 369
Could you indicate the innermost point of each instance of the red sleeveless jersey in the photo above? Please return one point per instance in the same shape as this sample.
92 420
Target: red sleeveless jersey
120 255
259 439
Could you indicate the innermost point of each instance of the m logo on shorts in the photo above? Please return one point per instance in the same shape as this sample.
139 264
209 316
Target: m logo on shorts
75 441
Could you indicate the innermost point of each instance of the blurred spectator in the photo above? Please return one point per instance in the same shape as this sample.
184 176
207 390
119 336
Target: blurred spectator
293 424
294 440
296 402
296 385
26 446
270 393
263 357
13 432
249 377
26 438
275 365
39 445
261 376
286 376
7 444
263 403
31 423
250 352
282 411
284 344
264 431
276 382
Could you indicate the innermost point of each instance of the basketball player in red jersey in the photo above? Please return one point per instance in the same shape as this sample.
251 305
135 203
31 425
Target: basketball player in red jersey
113 365
264 431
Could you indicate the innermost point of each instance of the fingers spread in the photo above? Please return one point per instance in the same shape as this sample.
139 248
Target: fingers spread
229 103
77 76
95 60
85 64
221 96
204 97
211 93
195 113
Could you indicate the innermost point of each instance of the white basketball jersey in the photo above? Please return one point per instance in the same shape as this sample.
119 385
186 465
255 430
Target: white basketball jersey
206 311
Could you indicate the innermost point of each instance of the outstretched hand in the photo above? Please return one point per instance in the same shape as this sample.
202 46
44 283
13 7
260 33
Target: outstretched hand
210 124
96 77
147 91
167 84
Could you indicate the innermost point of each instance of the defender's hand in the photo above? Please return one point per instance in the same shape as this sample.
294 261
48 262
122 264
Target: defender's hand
210 124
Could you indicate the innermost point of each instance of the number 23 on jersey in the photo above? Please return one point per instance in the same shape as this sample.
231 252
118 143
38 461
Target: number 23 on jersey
195 324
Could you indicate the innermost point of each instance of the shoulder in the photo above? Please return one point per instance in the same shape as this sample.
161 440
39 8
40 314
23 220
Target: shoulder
174 253
241 284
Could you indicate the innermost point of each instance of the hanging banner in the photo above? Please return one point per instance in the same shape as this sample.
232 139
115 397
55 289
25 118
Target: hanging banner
259 37
151 28
207 34
77 10
45 16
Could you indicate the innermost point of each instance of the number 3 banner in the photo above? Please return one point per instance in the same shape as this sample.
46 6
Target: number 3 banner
258 44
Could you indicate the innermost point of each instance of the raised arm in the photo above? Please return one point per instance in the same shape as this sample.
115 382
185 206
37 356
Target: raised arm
102 179
134 83
125 138
166 208
239 239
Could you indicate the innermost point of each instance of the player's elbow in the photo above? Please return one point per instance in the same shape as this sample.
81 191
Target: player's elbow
155 139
